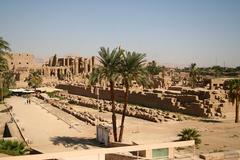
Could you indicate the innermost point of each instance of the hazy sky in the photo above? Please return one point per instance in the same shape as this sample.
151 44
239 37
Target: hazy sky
170 31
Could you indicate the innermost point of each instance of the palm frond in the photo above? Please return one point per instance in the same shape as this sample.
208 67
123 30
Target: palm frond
4 46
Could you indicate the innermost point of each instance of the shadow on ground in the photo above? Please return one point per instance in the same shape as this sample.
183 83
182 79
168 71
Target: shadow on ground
210 121
75 142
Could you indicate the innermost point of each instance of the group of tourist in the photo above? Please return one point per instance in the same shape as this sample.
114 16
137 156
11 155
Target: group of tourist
28 101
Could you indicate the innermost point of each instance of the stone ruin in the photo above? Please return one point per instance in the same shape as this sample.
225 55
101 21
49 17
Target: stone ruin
83 116
144 113
68 67
196 102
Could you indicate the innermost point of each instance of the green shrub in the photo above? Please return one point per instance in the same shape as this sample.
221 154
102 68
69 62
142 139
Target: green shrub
190 134
54 95
51 94
5 92
13 147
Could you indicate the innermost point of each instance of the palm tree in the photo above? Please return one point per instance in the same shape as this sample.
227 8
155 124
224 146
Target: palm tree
132 69
34 79
190 134
4 48
3 64
153 68
108 71
193 74
234 95
9 79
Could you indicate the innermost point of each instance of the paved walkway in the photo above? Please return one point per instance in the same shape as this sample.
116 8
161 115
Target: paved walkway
44 131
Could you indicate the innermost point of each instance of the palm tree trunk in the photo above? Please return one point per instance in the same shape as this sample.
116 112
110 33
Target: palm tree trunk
114 121
124 112
237 110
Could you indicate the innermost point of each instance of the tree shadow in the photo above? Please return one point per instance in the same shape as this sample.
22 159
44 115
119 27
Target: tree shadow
75 142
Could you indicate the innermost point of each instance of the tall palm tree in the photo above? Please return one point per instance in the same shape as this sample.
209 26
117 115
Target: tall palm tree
132 69
3 64
193 74
9 79
234 95
4 46
108 71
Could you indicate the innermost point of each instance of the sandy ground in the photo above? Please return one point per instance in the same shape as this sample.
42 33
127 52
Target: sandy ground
45 131
217 135
4 118
41 125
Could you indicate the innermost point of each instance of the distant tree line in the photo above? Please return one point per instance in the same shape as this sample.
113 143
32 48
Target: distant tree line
216 71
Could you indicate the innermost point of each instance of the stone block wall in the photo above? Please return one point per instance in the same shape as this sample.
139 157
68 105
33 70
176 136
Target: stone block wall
187 101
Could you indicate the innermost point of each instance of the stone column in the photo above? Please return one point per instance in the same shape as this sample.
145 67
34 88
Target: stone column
68 62
90 65
49 72
76 65
50 62
55 71
64 62
93 61
85 66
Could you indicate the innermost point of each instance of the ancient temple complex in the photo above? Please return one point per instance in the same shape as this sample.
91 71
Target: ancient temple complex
68 66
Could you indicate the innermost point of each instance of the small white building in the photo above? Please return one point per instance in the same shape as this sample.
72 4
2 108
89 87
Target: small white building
104 134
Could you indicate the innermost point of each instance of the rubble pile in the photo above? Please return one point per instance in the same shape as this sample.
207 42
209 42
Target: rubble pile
149 114
83 116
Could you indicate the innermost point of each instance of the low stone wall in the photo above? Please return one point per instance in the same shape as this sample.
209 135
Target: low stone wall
144 99
202 94
187 101
149 114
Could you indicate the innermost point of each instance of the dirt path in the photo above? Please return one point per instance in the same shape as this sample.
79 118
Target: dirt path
44 131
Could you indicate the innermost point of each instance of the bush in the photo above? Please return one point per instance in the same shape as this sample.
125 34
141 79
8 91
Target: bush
5 92
13 147
54 95
190 134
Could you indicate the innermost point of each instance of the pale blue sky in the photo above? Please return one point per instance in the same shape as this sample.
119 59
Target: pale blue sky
171 31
